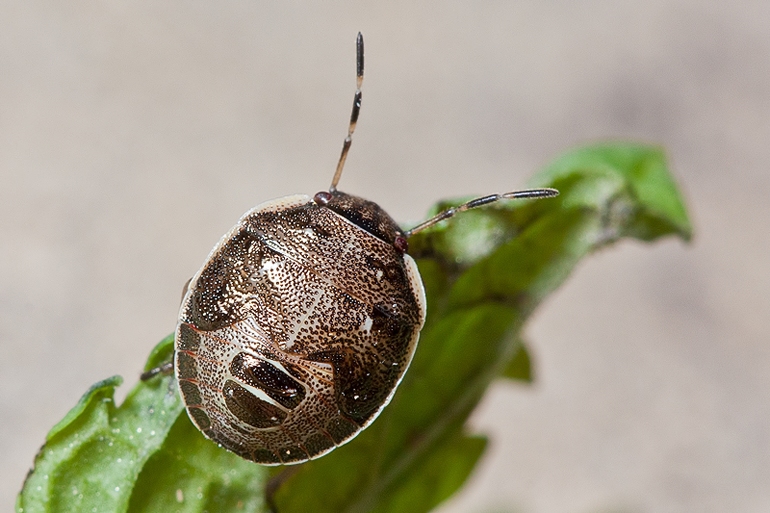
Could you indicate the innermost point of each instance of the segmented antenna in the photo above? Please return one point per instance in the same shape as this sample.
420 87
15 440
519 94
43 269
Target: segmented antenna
478 202
354 113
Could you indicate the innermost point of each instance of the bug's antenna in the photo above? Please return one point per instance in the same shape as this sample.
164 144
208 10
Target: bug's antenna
354 113
478 202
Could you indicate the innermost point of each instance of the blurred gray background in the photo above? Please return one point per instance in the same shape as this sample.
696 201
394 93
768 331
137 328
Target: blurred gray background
134 134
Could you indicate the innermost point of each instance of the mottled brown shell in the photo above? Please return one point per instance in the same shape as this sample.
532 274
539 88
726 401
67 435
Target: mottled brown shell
297 330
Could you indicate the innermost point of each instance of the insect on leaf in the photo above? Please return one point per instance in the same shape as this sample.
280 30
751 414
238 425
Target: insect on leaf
484 273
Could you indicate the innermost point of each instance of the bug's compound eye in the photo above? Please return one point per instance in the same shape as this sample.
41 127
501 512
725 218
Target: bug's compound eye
322 198
401 244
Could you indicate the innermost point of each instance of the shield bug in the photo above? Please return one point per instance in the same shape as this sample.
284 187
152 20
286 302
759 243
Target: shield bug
295 333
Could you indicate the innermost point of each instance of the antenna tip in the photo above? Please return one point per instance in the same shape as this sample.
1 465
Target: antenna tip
549 192
359 59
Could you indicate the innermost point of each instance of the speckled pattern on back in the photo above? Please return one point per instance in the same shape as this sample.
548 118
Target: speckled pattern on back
297 330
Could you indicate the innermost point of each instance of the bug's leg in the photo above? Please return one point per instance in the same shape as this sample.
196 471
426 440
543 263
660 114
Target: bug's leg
166 368
275 482
478 202
354 113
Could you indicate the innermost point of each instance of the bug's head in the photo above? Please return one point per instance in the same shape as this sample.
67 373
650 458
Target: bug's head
365 214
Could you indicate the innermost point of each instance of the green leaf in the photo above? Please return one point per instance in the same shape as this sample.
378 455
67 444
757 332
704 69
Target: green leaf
191 474
93 457
437 476
656 204
484 273
520 366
